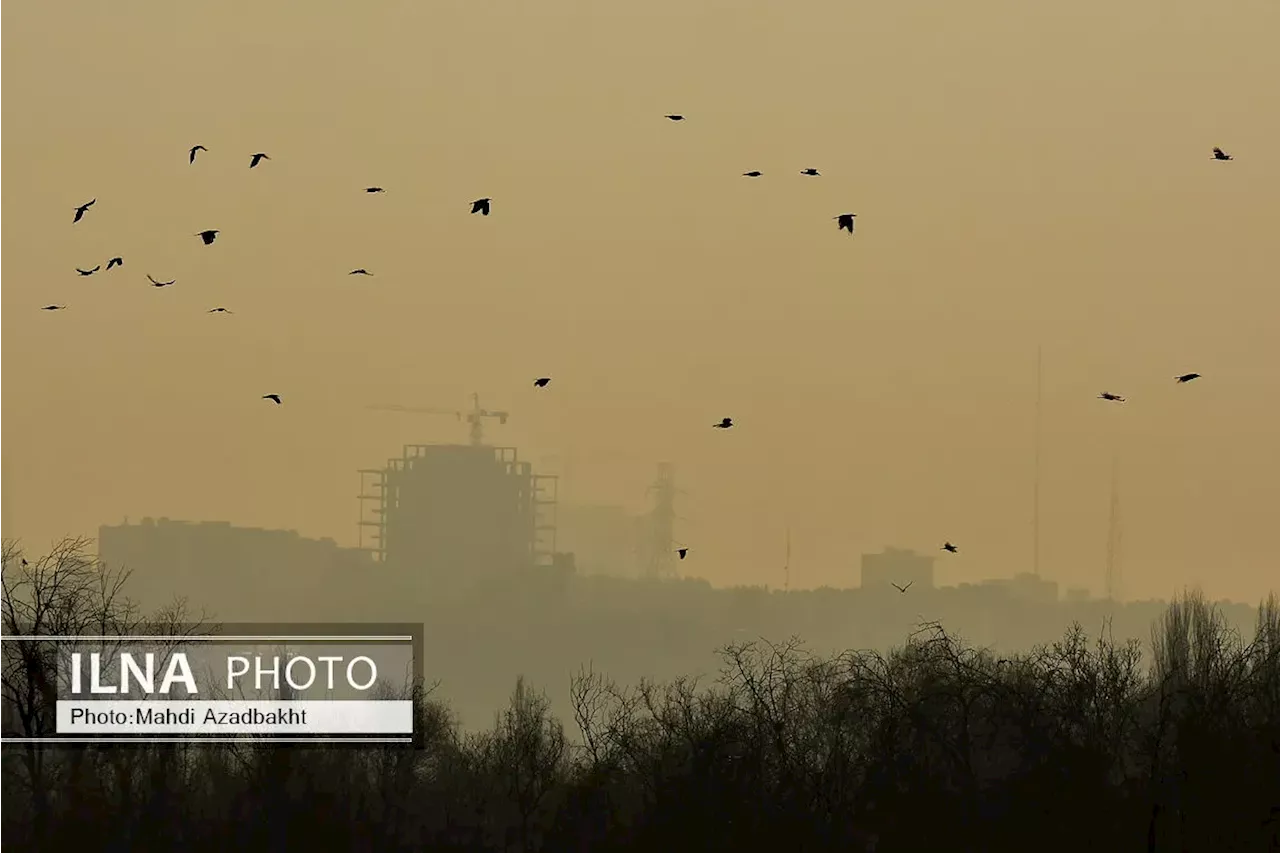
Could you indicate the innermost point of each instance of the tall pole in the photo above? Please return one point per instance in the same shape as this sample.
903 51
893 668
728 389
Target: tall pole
787 566
661 524
1035 496
1113 577
6 506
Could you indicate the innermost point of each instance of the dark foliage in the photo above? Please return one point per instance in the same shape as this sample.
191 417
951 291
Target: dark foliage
1083 745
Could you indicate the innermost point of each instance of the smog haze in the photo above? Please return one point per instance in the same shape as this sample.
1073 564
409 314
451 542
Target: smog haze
1025 176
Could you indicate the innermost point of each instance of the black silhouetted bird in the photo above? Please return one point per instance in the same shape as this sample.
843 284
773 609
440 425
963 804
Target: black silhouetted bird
274 397
901 588
480 205
208 236
1114 398
752 174
683 552
542 381
257 158
1186 377
219 311
361 271
374 190
675 117
80 211
725 423
53 308
947 546
194 150
115 262
89 272
1219 154
844 221
160 283
811 172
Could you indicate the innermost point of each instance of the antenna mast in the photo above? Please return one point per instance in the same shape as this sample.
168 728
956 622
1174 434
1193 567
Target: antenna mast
1113 575
786 585
1035 496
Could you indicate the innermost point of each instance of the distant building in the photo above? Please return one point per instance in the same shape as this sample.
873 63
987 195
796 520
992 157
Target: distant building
458 511
237 572
1027 587
897 565
604 540
1075 593
1031 587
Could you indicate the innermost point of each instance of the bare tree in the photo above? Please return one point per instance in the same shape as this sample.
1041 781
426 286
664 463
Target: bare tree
528 748
66 592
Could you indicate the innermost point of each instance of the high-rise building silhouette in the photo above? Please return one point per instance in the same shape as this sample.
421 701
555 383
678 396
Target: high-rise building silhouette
460 507
897 565
239 573
452 510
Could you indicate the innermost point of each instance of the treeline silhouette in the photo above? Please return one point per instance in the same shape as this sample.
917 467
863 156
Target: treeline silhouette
1081 744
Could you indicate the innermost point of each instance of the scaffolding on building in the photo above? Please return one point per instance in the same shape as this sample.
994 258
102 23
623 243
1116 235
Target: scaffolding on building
383 501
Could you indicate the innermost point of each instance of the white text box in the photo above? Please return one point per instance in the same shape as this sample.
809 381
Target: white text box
307 717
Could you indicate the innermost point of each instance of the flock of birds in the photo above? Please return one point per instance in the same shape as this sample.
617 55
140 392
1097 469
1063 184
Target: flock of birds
483 206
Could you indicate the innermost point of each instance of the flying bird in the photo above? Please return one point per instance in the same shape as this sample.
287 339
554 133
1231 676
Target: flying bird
194 150
115 262
542 381
1186 377
901 588
752 174
219 311
683 552
947 546
374 190
160 283
725 423
675 117
810 172
53 308
844 222
361 271
257 158
1107 395
89 272
480 205
273 397
80 211
1219 154
208 236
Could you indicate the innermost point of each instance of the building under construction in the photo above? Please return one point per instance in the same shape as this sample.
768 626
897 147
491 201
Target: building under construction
459 510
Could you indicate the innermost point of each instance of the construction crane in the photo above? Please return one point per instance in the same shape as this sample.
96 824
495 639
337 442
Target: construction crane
474 417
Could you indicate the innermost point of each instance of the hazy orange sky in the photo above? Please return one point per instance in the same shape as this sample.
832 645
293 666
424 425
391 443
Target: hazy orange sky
1024 174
